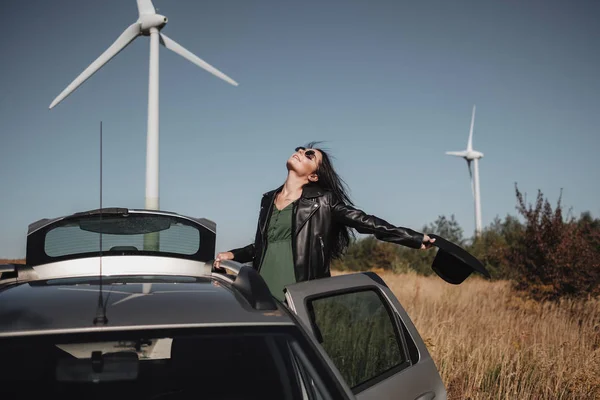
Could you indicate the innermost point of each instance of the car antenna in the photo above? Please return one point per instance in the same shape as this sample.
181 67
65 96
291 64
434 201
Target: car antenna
101 309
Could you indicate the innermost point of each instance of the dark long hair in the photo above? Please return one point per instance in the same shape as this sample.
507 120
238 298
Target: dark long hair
329 179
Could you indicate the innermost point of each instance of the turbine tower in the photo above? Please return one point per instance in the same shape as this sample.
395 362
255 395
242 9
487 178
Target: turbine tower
149 23
471 155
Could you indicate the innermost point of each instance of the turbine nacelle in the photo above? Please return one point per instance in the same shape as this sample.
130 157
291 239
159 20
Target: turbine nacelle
148 21
473 155
468 155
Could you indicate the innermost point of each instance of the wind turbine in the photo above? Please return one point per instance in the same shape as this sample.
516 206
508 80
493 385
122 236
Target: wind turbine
149 23
472 156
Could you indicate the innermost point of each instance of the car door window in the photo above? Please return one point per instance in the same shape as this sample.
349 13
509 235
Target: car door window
359 333
311 385
306 383
367 335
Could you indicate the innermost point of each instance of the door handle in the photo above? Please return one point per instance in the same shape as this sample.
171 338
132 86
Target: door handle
426 396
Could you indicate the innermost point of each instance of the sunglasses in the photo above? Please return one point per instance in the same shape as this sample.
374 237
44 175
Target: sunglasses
310 154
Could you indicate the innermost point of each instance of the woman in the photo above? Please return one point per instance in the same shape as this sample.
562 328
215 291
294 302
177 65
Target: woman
306 222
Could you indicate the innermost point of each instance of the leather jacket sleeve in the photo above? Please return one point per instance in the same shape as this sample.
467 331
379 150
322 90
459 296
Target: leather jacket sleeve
370 224
243 254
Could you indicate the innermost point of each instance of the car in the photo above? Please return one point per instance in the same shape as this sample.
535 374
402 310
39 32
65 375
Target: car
125 303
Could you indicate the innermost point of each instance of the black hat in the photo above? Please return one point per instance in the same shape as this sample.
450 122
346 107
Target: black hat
453 263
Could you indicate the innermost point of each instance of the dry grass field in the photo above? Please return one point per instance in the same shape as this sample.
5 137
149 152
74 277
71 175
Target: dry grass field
489 343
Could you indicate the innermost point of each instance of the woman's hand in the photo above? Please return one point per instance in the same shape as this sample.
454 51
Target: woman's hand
427 242
225 255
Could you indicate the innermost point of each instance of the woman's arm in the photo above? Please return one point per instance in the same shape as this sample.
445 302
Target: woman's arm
381 229
243 254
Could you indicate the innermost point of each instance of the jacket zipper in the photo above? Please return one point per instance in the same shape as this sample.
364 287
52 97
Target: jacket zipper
314 209
322 250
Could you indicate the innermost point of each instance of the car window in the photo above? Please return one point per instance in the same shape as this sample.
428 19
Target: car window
360 335
120 234
311 386
237 363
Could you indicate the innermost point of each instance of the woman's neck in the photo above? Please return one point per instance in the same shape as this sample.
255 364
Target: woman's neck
292 187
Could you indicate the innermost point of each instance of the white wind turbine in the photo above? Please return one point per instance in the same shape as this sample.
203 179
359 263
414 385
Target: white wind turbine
149 23
472 156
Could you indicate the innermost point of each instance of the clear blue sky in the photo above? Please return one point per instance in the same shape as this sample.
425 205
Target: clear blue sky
388 84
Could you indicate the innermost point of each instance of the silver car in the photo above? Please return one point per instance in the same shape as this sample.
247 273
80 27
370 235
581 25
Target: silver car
125 303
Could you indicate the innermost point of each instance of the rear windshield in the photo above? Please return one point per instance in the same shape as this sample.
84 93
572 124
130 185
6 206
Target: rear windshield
133 233
120 234
236 363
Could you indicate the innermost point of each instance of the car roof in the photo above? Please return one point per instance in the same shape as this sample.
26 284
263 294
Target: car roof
70 305
96 292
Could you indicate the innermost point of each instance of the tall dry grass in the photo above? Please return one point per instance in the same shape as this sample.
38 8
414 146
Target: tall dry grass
490 344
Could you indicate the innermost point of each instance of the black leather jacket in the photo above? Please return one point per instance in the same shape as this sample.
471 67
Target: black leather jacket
314 214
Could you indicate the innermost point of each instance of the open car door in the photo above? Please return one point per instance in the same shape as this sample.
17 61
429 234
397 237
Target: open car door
368 336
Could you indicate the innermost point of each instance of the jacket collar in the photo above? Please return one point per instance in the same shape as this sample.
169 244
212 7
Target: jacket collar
309 191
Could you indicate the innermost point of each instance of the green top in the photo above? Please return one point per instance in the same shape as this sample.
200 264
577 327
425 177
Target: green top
277 268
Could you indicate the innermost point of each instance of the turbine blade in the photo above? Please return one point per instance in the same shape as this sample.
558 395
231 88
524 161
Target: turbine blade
177 48
457 153
470 143
145 7
122 41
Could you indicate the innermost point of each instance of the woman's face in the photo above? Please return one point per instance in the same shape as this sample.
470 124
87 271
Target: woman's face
305 162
